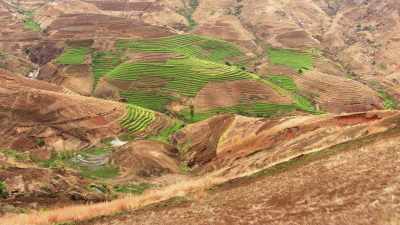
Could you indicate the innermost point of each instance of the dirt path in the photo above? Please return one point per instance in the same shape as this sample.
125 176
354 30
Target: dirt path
361 185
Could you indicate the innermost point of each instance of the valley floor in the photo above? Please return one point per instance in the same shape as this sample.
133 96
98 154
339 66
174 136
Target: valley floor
353 183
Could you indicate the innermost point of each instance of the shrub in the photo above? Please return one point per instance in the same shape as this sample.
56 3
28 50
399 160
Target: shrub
388 101
30 23
3 189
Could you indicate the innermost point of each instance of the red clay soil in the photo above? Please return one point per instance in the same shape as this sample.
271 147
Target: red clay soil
16 82
34 109
231 93
84 26
199 142
246 143
38 187
357 183
121 5
337 94
146 159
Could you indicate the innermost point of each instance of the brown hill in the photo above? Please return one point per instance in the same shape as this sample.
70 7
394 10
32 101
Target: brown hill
290 120
338 185
293 170
33 110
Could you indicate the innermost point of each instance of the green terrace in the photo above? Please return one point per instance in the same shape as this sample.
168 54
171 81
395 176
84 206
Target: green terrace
148 99
287 84
256 109
73 56
187 45
282 84
184 76
202 60
290 58
103 62
30 23
137 118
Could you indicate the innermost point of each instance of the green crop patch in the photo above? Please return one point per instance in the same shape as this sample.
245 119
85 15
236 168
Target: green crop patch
137 118
73 56
103 62
102 172
165 134
3 189
147 99
287 83
290 58
388 101
284 82
184 76
256 109
186 45
304 104
30 23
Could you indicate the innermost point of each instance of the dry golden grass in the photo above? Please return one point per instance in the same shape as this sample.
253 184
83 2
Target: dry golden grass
85 212
196 188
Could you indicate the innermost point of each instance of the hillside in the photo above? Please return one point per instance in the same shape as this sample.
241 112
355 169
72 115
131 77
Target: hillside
199 111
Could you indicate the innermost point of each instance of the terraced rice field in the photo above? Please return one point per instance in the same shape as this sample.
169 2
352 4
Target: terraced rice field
103 62
253 110
73 56
187 45
293 59
137 118
185 76
287 83
284 82
150 100
202 61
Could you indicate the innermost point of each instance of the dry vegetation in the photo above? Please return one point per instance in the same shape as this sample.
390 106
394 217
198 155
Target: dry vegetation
85 212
